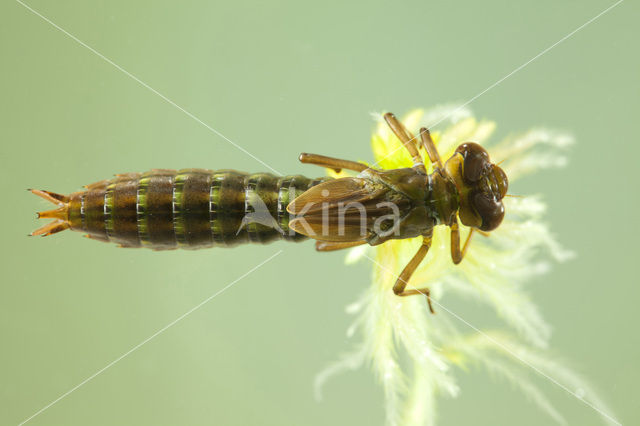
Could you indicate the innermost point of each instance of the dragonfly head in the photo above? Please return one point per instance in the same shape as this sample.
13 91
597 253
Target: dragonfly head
481 186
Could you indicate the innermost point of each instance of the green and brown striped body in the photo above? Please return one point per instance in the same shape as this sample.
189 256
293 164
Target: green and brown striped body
191 209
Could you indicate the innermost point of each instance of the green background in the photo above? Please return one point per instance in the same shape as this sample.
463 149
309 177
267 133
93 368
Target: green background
279 78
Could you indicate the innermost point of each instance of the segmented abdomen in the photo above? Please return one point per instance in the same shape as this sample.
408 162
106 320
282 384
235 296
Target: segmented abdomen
192 208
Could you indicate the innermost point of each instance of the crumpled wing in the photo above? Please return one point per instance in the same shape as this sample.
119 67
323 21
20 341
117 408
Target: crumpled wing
338 210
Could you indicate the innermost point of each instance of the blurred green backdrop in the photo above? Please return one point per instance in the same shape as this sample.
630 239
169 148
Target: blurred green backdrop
279 78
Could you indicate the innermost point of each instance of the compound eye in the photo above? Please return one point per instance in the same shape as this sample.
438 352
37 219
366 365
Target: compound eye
502 181
490 210
476 161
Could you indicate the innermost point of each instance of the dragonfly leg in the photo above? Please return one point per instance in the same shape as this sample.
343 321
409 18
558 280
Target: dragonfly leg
331 163
399 287
430 146
456 253
408 140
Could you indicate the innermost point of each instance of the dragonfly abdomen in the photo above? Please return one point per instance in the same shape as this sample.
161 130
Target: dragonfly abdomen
191 208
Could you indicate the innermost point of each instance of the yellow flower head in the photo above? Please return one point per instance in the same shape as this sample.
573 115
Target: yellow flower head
493 271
